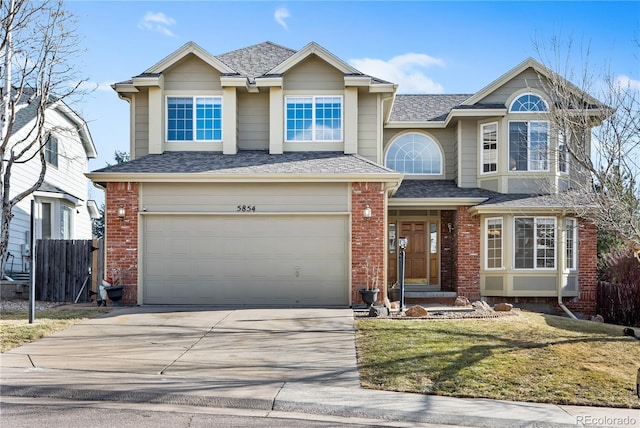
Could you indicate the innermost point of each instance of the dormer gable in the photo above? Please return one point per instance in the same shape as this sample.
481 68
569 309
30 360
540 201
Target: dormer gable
186 49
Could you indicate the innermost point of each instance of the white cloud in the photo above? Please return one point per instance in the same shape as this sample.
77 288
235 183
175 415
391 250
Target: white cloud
95 86
280 15
407 70
159 22
627 82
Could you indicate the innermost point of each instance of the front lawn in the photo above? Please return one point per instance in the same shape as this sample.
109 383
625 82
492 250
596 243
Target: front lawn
15 329
529 357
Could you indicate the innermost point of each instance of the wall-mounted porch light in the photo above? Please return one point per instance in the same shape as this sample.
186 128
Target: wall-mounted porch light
121 213
450 227
367 212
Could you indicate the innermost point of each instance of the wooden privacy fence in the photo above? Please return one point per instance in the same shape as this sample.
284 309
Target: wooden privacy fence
67 270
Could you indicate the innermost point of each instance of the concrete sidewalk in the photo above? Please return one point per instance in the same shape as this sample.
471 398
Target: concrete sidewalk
297 360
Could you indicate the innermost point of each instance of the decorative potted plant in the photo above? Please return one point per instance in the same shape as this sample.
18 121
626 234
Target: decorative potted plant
113 288
369 294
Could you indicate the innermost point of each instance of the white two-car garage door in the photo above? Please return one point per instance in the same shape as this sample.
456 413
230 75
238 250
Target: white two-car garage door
298 260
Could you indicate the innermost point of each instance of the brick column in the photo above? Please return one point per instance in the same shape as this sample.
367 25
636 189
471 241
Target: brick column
447 250
467 254
122 237
587 269
367 237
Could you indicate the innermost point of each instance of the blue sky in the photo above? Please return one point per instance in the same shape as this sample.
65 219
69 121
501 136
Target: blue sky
424 46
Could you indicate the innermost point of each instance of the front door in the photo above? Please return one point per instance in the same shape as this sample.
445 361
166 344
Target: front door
421 256
415 264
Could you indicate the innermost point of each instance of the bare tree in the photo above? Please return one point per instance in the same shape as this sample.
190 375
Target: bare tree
37 42
598 142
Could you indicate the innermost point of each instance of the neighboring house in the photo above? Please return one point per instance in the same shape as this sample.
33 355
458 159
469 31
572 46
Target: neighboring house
62 210
272 176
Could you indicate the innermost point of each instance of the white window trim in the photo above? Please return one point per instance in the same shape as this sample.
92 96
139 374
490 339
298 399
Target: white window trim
313 118
411 175
194 98
560 138
535 243
529 144
482 160
546 105
574 238
486 243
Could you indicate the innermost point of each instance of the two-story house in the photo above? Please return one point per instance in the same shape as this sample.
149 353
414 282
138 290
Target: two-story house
62 209
268 176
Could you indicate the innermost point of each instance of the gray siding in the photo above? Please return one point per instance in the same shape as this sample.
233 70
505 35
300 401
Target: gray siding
469 154
141 136
494 283
368 125
313 74
253 121
192 74
225 197
527 79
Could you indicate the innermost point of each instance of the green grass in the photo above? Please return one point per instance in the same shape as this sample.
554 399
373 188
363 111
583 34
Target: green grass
15 329
529 357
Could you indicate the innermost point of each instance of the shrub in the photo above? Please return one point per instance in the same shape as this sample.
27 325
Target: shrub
619 292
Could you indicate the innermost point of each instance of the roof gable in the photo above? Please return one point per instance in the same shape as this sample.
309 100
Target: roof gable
313 49
540 70
186 49
256 60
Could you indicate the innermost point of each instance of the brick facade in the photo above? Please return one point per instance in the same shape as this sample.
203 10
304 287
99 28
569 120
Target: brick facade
466 235
367 237
587 269
447 248
122 237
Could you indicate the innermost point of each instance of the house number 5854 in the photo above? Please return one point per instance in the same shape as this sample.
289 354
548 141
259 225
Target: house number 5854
246 208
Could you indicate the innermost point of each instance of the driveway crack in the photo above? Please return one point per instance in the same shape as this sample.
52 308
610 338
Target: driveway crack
189 348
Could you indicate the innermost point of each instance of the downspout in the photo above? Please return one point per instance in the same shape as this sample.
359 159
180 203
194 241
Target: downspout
562 276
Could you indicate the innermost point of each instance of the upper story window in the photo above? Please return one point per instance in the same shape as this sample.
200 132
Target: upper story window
563 153
414 154
489 133
51 151
314 118
194 118
529 145
528 103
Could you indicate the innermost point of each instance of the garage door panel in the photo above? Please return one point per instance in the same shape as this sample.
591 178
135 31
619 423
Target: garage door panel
294 260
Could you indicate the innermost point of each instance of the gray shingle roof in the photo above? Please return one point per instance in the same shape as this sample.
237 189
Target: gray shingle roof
256 60
248 162
439 189
526 201
424 107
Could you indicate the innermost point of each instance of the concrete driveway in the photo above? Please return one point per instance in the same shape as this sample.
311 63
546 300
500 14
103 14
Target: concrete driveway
244 345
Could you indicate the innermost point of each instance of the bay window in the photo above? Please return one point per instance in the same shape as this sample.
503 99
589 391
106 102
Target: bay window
535 243
571 243
529 145
494 243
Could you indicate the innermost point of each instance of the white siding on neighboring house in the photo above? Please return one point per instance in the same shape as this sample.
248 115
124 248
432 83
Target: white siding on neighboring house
68 176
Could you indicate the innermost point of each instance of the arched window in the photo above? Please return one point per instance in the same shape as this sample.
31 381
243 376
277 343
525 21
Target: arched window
414 154
528 103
